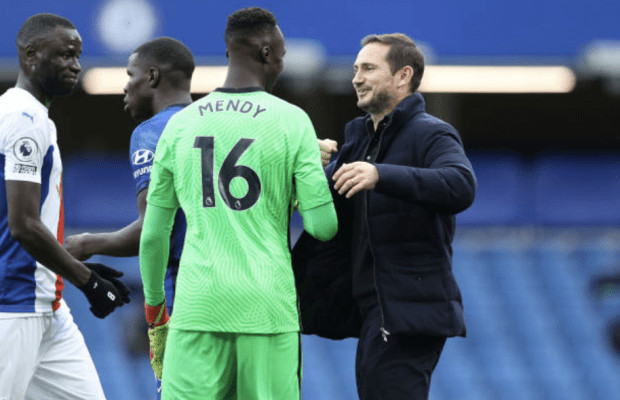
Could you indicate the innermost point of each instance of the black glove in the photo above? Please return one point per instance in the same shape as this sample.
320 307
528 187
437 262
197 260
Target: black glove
103 291
111 274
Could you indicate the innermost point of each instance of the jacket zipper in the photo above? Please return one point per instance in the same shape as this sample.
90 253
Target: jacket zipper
384 332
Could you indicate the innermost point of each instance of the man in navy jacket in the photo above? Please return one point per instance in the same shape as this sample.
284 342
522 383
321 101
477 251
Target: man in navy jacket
398 182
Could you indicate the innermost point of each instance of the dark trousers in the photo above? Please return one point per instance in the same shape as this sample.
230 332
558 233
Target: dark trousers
399 369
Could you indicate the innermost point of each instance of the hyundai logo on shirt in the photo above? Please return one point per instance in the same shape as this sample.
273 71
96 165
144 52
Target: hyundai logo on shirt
141 156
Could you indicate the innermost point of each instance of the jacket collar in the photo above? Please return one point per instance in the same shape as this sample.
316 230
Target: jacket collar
404 111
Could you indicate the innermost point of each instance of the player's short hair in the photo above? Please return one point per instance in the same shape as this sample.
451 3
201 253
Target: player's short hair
38 25
168 52
403 51
248 22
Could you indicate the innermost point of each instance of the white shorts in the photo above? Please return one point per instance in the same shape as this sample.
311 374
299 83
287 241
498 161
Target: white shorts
44 356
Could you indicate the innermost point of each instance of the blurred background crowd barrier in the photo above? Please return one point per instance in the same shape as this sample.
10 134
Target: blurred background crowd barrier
534 89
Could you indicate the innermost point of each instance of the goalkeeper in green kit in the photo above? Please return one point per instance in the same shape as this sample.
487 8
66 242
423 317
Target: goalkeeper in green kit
234 161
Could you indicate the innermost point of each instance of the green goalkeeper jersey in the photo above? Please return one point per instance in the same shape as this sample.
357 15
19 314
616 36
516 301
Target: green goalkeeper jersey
234 161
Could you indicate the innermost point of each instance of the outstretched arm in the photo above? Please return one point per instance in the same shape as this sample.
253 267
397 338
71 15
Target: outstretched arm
124 242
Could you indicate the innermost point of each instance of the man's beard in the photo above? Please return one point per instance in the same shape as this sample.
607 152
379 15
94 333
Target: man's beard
379 103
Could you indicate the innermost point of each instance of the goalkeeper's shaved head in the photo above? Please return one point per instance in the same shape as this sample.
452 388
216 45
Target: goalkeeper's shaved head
247 23
254 47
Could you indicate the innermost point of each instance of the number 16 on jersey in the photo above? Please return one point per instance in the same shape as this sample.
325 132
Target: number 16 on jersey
228 171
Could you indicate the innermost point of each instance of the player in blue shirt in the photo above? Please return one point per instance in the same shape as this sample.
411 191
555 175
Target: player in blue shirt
160 73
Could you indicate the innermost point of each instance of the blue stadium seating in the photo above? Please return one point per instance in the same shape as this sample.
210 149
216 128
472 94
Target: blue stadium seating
98 190
502 190
535 332
552 189
524 257
577 188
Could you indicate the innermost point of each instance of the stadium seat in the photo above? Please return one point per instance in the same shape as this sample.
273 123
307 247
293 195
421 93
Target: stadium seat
577 188
99 190
502 190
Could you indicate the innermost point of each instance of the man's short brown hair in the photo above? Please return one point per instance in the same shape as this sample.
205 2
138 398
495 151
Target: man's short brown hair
403 51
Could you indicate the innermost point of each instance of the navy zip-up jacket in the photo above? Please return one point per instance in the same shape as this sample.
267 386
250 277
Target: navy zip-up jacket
425 179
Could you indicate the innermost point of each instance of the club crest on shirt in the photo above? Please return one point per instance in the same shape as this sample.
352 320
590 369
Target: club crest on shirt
25 149
141 156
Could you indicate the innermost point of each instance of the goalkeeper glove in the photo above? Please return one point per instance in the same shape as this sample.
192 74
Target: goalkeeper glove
157 319
104 292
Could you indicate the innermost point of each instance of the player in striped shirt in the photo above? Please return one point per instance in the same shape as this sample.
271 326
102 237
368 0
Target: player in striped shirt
43 352
234 161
